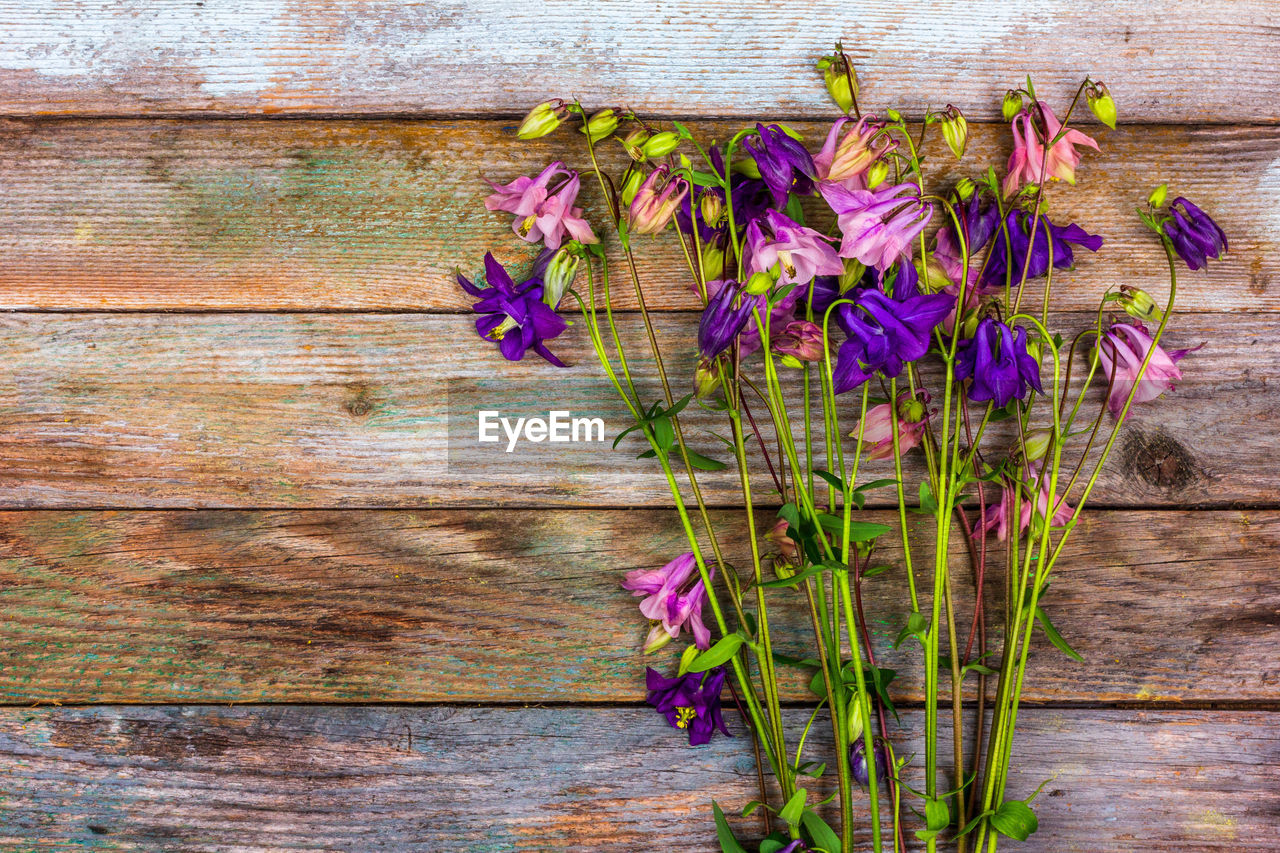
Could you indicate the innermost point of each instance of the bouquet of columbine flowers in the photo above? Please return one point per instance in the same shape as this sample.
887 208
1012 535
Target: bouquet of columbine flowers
820 275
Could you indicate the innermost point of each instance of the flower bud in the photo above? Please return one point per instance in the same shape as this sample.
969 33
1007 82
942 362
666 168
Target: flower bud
712 261
1012 105
558 276
1158 195
706 379
634 142
964 189
657 638
858 763
746 166
932 276
661 144
656 201
786 545
759 283
631 185
852 274
798 342
854 718
1036 443
1138 303
1102 104
841 80
876 174
955 130
542 119
600 126
911 409
711 206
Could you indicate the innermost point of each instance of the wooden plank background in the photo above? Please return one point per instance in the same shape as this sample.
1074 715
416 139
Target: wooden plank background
237 456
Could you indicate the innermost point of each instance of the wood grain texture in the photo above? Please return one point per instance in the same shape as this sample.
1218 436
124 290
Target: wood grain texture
260 215
1186 61
268 410
501 606
425 779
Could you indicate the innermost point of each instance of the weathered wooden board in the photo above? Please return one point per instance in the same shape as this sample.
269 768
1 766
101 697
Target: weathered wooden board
1187 62
501 606
336 215
339 778
268 410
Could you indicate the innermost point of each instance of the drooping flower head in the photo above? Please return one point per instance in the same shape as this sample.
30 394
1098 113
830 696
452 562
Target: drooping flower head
883 334
727 311
800 340
1196 238
780 314
858 763
800 253
912 416
673 598
542 212
980 218
690 702
1033 163
785 166
1120 355
998 517
656 201
878 226
1052 242
846 156
997 362
514 316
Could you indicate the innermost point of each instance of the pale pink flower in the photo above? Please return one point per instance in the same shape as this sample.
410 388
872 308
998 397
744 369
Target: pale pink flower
879 226
845 159
877 436
1120 355
673 598
1029 162
540 213
800 253
997 516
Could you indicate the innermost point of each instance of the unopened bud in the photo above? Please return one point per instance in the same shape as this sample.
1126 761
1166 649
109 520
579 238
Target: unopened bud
854 717
931 275
1036 443
634 142
911 409
851 275
1158 195
706 379
778 535
965 188
542 119
1012 105
661 144
746 166
712 207
876 174
657 638
955 130
893 115
600 126
841 80
631 185
759 283
1102 104
712 261
561 270
1138 303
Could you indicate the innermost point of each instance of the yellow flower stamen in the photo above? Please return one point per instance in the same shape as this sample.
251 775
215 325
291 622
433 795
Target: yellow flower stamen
684 716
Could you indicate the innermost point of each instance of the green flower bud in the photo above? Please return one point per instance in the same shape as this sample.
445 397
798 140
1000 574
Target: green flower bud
911 410
1012 105
759 283
712 261
560 272
542 119
855 719
661 144
841 80
634 142
853 270
706 379
955 130
600 126
876 174
1158 195
631 185
893 115
965 188
1036 443
1102 104
712 207
1138 303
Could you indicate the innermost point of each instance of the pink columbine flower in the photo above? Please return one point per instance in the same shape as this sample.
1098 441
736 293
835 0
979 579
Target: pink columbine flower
912 417
800 339
997 516
673 599
800 253
845 159
656 201
1029 162
878 226
540 212
1120 355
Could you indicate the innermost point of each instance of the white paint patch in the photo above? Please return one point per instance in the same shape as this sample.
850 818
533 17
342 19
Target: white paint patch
229 46
973 26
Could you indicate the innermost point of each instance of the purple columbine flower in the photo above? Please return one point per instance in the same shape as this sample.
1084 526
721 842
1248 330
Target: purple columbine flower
673 597
514 315
884 333
690 702
858 763
878 226
1060 238
1196 238
800 253
723 318
997 361
1120 355
785 166
780 314
980 219
542 213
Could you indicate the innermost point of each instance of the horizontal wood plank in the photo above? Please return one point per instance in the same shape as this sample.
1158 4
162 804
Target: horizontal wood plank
260 215
1213 60
333 778
263 410
501 606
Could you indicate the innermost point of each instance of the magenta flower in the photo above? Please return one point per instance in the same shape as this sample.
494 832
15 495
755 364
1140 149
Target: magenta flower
845 159
1120 355
912 418
690 702
800 339
1030 163
879 226
656 201
673 598
998 516
785 166
540 212
801 253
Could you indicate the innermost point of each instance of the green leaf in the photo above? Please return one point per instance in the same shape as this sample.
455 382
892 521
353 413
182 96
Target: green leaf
1054 637
876 484
969 827
830 478
728 844
1015 819
704 463
916 623
624 433
663 432
794 808
771 845
799 577
875 571
936 815
820 834
789 512
928 503
813 768
750 808
681 129
725 648
865 531
794 210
